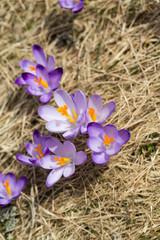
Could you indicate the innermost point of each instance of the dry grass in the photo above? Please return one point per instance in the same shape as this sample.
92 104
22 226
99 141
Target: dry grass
118 46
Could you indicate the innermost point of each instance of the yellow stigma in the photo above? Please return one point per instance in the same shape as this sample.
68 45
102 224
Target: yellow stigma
62 161
77 0
39 149
41 82
63 111
32 68
92 114
108 140
8 189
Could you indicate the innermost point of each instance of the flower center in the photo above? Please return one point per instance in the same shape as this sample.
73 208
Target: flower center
108 140
41 82
39 150
77 0
63 111
32 68
92 114
8 189
62 161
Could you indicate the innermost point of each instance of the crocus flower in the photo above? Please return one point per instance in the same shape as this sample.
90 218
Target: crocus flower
105 141
75 5
68 117
9 188
43 83
96 112
63 161
36 150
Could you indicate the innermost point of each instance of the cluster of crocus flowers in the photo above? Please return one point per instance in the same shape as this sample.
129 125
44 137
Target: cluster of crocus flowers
75 5
10 189
41 78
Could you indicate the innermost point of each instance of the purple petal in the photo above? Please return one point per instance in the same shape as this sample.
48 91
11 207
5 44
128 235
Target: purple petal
96 103
123 136
78 7
20 185
83 129
53 144
4 201
80 158
30 148
54 176
50 64
39 55
49 113
96 144
67 3
106 112
80 101
113 149
45 98
42 72
1 177
36 136
69 170
71 133
24 159
11 178
20 81
48 162
111 131
69 150
62 98
100 158
55 77
58 126
29 79
95 130
26 64
35 91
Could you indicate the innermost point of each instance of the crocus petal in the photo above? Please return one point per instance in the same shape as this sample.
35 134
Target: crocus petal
1 177
55 77
24 159
39 55
20 185
106 112
111 131
71 133
29 79
35 91
36 136
54 176
69 149
20 81
67 4
80 158
49 113
94 129
100 158
54 145
95 102
48 162
83 129
80 101
4 201
78 7
42 72
69 170
26 64
45 98
62 98
30 148
113 149
96 144
58 126
123 136
11 178
50 64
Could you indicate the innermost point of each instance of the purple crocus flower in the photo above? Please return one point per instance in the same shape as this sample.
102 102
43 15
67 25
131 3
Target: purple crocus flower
75 5
105 141
68 117
9 188
96 112
63 161
36 150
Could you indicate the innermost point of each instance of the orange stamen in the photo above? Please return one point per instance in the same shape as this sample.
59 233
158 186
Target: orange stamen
32 68
63 111
108 140
8 189
92 114
77 0
62 161
41 82
39 149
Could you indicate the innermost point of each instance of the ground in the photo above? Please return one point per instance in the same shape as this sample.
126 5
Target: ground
111 48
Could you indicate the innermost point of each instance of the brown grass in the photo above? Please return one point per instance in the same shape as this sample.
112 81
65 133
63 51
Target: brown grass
118 46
